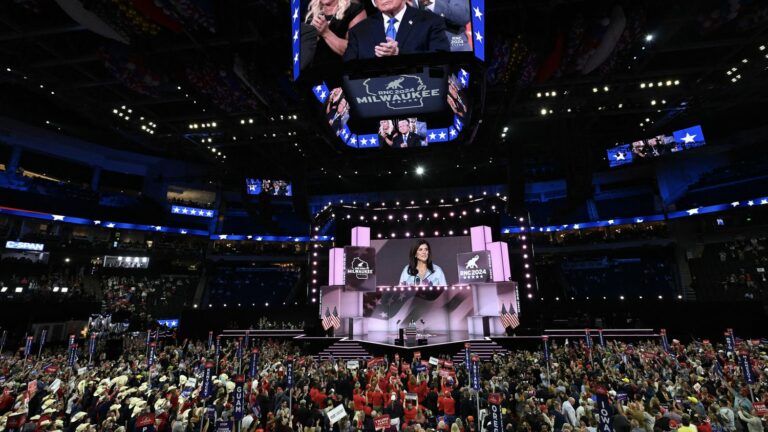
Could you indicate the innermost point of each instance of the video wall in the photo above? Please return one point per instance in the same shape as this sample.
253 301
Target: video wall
268 187
656 146
370 29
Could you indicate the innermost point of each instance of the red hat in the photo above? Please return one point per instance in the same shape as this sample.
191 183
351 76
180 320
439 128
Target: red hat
673 424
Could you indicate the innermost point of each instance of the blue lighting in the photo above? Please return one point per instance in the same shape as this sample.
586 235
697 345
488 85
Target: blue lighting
192 211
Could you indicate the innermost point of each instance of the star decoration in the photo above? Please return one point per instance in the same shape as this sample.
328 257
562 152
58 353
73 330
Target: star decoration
295 14
384 315
735 204
763 201
110 225
620 156
479 37
318 88
478 14
611 222
158 228
750 203
364 141
688 138
442 135
452 132
692 211
174 209
295 36
296 58
222 236
97 222
432 136
183 231
639 220
322 95
57 217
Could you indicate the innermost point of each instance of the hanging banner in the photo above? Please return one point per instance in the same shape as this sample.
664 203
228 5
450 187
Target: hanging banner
239 407
605 412
494 403
474 372
254 363
289 372
92 344
545 342
207 383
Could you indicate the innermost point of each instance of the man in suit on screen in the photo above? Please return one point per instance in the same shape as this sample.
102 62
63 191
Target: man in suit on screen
396 30
405 136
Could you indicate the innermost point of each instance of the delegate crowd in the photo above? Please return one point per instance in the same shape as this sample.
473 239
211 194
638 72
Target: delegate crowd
693 388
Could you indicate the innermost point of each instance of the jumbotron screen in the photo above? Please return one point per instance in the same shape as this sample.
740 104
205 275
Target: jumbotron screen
660 145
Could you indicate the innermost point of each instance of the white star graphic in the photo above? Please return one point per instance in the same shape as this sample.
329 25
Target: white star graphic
479 37
110 225
174 209
209 213
750 203
384 315
639 220
463 81
620 156
364 141
318 88
610 222
575 226
57 217
194 212
442 135
222 236
183 231
353 140
296 14
688 138
252 187
763 201
296 58
97 222
249 237
692 211
735 204
185 210
432 136
258 238
322 95
295 36
478 14
452 132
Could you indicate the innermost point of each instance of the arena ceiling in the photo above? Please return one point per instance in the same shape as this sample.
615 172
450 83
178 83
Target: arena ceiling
230 66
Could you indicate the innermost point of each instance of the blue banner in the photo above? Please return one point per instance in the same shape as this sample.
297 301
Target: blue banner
466 356
604 410
72 355
494 404
28 346
289 372
207 383
254 371
247 342
151 356
3 338
210 339
43 336
478 28
664 341
545 342
192 211
239 408
296 38
217 352
239 352
746 367
474 373
92 345
730 341
588 339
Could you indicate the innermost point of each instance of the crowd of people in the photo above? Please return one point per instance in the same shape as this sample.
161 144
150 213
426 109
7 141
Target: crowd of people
732 270
141 295
693 387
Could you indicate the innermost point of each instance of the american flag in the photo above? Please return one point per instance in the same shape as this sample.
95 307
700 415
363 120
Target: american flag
327 319
335 321
509 318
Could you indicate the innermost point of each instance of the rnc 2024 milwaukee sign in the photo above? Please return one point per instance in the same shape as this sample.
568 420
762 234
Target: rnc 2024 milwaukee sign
359 268
396 95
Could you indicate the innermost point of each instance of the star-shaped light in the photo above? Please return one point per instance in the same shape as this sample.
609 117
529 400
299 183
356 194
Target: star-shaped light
575 226
295 35
688 138
479 37
735 204
249 237
296 58
750 203
639 220
432 136
57 217
611 221
318 88
158 228
222 236
442 135
763 201
478 14
364 141
322 95
174 209
110 225
183 231
620 156
295 14
692 211
452 132
97 222
353 140
185 210
209 213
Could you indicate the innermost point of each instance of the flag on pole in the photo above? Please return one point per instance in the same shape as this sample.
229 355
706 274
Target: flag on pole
509 318
327 319
335 320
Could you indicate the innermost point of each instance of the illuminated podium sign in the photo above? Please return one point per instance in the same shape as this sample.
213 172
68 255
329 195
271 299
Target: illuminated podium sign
359 268
397 95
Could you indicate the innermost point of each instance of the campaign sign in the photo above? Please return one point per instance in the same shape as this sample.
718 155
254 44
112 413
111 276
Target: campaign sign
421 368
223 426
760 408
336 414
605 412
145 423
151 356
254 362
28 346
545 340
474 267
359 268
207 383
474 373
494 403
210 339
397 95
15 422
730 345
72 355
239 407
289 372
746 367
466 355
381 422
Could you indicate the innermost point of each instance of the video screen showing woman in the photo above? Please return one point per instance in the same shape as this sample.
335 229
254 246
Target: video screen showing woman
420 269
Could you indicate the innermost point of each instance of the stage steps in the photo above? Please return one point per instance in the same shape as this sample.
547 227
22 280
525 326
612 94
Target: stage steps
483 348
345 350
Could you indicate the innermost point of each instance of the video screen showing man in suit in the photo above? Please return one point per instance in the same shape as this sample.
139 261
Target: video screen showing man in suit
410 133
402 27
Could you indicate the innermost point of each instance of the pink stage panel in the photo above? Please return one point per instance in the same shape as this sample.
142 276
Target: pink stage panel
499 261
481 235
361 236
336 266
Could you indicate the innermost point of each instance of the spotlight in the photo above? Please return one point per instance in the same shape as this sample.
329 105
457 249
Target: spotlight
419 170
648 37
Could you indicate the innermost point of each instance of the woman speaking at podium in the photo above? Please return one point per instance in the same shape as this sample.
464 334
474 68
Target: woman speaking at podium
420 269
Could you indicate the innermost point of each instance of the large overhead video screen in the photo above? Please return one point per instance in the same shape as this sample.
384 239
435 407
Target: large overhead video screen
654 147
268 187
349 30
